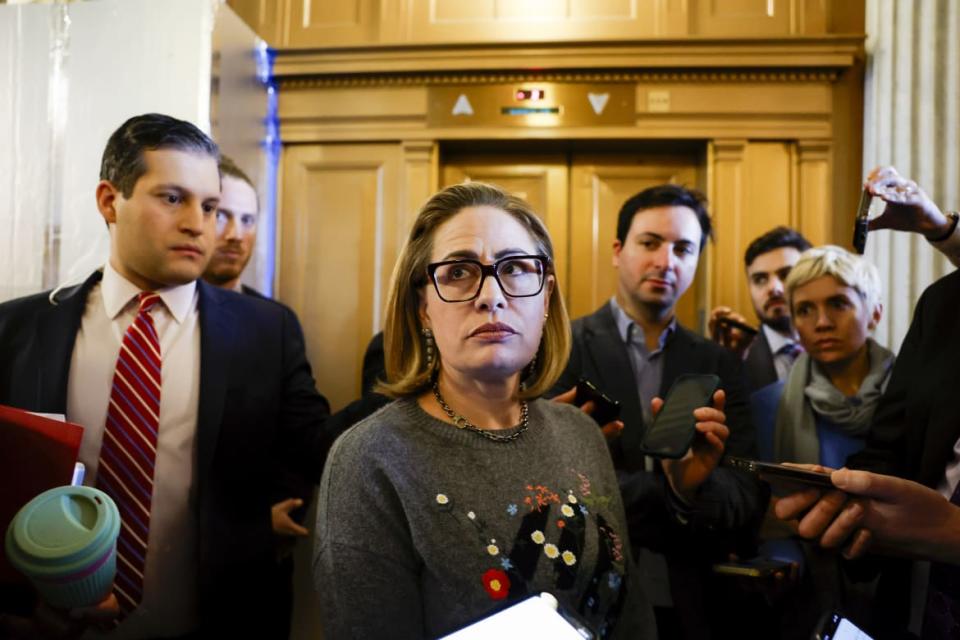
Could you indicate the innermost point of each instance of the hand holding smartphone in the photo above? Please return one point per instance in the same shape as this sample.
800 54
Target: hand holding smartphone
861 222
780 473
674 427
736 324
605 409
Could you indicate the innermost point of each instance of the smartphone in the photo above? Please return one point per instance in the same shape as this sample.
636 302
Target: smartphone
834 626
605 409
539 616
673 429
735 324
779 473
861 221
754 568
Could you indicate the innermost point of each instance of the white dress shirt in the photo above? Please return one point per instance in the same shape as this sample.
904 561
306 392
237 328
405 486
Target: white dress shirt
782 361
169 605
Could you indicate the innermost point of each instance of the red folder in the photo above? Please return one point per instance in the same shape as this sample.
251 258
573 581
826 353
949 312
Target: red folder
36 454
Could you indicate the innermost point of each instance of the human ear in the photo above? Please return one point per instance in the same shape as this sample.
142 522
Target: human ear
875 316
617 248
107 196
422 310
548 287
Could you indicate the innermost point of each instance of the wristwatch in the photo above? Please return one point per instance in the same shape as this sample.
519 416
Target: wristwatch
954 218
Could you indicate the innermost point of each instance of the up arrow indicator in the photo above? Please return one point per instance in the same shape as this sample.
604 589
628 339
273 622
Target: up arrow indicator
462 106
598 101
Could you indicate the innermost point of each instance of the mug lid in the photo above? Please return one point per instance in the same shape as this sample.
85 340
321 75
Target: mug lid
62 527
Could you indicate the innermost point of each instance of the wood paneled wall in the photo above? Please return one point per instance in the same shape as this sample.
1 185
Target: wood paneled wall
319 24
770 91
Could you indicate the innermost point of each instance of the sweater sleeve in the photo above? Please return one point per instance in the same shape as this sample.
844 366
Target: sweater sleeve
364 559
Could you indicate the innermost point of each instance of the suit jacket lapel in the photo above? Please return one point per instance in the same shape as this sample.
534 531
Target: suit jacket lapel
609 359
680 356
760 366
216 344
56 333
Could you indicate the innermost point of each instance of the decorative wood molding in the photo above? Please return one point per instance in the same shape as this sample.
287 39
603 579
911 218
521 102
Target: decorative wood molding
814 150
805 54
675 76
729 150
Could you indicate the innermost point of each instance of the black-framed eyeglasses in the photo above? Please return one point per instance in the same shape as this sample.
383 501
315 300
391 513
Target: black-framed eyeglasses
461 280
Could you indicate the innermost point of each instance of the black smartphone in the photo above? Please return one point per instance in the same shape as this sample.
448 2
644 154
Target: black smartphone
860 223
779 473
605 409
834 626
673 429
754 568
735 324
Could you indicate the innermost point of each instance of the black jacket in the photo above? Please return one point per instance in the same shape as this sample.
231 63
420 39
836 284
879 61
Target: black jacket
729 502
257 403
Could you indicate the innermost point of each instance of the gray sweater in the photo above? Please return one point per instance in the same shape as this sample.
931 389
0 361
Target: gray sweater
423 528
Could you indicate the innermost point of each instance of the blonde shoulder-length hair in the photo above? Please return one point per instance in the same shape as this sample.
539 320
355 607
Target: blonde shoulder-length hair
408 373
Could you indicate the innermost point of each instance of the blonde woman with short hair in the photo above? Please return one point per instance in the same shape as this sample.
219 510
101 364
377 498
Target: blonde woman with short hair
825 407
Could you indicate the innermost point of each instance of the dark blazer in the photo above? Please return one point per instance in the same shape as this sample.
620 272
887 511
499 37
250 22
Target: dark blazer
729 501
918 422
257 402
250 291
758 365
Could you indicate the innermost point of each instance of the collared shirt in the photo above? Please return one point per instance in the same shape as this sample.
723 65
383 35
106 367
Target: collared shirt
169 605
951 476
647 365
783 359
648 372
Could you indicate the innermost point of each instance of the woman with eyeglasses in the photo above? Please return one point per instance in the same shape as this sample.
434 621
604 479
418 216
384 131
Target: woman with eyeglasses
469 493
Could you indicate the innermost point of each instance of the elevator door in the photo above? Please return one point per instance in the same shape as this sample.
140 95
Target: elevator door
578 195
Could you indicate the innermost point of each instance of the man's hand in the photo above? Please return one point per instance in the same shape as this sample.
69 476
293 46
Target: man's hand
729 337
908 207
611 430
902 517
689 472
830 517
283 524
48 622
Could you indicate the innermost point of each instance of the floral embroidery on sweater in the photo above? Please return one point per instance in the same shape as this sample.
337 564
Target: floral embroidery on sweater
552 529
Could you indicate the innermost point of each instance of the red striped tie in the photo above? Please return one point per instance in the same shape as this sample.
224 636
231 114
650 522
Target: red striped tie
129 448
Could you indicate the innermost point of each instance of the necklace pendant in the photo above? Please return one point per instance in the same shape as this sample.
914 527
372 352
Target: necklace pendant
460 422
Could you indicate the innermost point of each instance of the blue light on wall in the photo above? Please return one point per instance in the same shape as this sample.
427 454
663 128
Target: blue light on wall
271 146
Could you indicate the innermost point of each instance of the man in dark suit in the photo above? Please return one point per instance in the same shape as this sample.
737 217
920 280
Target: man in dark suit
769 356
236 390
916 429
238 217
632 349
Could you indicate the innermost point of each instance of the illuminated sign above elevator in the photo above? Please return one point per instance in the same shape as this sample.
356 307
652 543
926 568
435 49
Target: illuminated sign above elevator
542 104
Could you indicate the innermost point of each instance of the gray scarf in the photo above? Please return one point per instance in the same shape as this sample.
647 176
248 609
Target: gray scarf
809 392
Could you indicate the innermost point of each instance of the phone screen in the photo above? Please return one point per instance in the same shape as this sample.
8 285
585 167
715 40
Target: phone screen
673 429
535 617
836 627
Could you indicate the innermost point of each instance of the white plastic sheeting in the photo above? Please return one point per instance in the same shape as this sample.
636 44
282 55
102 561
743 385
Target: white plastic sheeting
70 74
